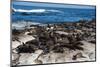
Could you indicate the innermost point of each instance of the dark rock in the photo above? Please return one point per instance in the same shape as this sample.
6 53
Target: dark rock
15 32
15 39
78 55
25 49
93 41
34 42
58 49
15 66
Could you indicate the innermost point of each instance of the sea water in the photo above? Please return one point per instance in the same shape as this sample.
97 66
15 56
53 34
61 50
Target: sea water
50 14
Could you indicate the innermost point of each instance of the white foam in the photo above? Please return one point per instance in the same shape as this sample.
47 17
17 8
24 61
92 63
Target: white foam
55 11
36 10
22 24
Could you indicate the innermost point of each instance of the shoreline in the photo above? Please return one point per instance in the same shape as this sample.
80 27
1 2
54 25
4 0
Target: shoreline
54 43
30 23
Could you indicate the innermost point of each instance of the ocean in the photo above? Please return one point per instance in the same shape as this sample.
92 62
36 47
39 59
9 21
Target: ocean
50 14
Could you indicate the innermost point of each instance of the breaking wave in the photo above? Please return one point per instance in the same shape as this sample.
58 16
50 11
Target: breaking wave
36 10
22 24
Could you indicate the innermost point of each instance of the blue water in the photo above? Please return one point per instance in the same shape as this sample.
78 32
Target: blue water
52 15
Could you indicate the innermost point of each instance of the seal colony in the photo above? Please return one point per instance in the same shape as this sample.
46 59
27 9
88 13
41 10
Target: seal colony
54 43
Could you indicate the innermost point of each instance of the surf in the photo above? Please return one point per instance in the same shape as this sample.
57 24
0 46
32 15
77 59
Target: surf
36 10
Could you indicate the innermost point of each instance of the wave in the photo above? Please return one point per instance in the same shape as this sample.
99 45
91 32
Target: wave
36 10
23 24
54 11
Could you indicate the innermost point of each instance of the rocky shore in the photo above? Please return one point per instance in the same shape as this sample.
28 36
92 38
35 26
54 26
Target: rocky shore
54 43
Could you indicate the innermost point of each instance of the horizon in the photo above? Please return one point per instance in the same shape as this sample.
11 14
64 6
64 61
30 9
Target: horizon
55 5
